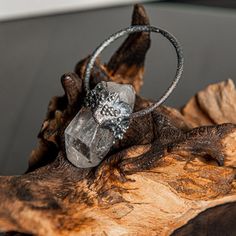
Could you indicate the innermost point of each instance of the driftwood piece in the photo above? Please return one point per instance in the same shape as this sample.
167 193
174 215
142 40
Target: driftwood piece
172 174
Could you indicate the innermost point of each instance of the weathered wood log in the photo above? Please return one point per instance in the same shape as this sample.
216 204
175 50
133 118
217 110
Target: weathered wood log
172 174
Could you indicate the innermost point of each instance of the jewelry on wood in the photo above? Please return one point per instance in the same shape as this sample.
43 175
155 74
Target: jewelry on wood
108 108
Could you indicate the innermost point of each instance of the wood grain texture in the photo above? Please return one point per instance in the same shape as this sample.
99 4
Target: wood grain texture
173 171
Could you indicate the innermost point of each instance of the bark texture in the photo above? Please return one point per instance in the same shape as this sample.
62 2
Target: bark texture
172 174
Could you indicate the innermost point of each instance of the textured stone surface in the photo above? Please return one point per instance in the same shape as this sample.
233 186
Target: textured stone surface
92 132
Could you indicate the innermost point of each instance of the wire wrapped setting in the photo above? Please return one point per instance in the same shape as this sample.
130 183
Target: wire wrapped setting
134 29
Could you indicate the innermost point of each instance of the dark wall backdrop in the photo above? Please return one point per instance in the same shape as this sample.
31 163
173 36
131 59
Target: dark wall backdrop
36 52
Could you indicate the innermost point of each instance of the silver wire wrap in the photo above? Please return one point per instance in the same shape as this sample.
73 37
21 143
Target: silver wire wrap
134 29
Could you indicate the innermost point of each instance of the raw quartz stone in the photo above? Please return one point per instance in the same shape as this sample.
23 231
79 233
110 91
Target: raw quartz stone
87 140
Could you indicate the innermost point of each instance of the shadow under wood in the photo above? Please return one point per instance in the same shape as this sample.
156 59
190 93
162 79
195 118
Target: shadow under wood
216 221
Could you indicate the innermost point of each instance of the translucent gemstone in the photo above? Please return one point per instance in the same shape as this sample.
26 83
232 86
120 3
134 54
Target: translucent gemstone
126 92
87 139
86 142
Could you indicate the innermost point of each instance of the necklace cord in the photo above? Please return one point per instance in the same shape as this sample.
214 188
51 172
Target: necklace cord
134 29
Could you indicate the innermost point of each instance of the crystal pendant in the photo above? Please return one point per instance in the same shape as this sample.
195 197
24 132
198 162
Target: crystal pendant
92 132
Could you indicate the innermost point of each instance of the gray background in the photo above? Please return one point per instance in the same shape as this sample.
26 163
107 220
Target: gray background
36 52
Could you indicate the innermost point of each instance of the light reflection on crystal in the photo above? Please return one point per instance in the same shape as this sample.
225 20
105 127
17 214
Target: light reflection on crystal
87 140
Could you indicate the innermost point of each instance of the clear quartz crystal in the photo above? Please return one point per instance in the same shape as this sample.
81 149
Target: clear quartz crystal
87 140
